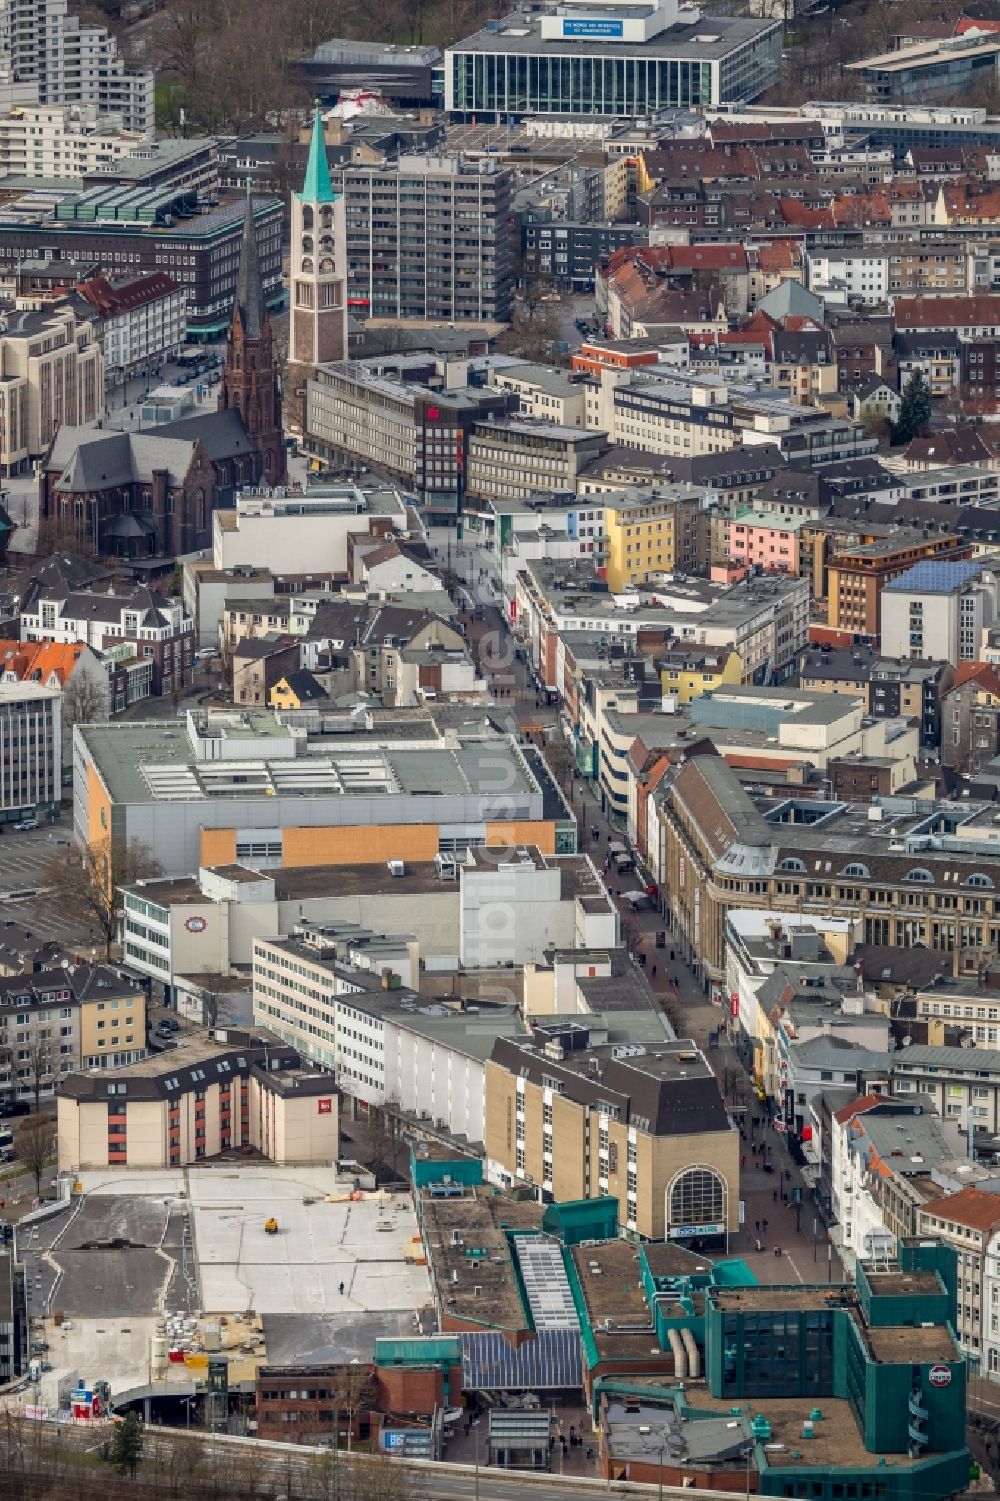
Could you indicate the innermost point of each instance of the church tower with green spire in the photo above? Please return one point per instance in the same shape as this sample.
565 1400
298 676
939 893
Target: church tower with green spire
318 315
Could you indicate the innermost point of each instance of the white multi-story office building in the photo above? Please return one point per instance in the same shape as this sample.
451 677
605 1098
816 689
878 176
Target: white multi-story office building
612 58
385 1046
138 319
30 750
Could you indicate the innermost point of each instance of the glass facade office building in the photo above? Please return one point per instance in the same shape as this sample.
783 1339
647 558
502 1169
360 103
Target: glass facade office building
516 72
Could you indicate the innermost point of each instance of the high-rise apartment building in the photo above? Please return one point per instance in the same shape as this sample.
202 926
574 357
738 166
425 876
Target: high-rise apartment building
71 63
429 237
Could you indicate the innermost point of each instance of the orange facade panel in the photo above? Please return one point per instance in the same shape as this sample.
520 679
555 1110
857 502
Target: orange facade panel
542 835
359 846
218 846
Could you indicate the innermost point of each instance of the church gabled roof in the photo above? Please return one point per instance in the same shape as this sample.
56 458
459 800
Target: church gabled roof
249 300
317 187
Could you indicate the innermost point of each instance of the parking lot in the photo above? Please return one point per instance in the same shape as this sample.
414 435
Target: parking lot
24 858
25 854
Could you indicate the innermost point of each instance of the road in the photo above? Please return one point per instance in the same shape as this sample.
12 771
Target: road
793 1244
283 1470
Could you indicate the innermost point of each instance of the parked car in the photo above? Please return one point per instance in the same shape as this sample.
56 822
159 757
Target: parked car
27 824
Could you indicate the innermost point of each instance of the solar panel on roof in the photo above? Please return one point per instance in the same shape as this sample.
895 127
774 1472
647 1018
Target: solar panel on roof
551 1360
931 576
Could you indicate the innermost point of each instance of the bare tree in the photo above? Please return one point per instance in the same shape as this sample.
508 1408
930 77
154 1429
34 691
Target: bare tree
631 932
85 882
386 1132
35 1143
561 760
84 700
39 1067
61 534
351 1386
534 335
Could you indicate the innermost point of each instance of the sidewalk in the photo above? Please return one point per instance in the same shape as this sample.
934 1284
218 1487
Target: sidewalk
765 1195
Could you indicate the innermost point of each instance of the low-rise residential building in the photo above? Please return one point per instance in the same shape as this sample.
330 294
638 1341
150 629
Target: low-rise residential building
645 1123
651 532
142 626
970 717
935 354
891 687
172 1109
207 590
56 1020
762 539
875 400
966 1220
542 394
686 672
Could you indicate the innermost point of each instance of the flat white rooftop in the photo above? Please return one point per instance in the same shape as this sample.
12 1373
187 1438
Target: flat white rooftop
319 1245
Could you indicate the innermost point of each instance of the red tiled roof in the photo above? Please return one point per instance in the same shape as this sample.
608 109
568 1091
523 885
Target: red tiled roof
107 300
982 672
970 1206
857 1107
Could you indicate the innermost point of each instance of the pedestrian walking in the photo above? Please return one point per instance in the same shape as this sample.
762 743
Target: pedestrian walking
764 1224
653 972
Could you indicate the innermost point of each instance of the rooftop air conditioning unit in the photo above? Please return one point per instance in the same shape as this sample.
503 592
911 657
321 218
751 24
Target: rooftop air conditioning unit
397 868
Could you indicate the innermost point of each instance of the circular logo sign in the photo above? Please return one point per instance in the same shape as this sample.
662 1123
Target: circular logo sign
940 1375
196 925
